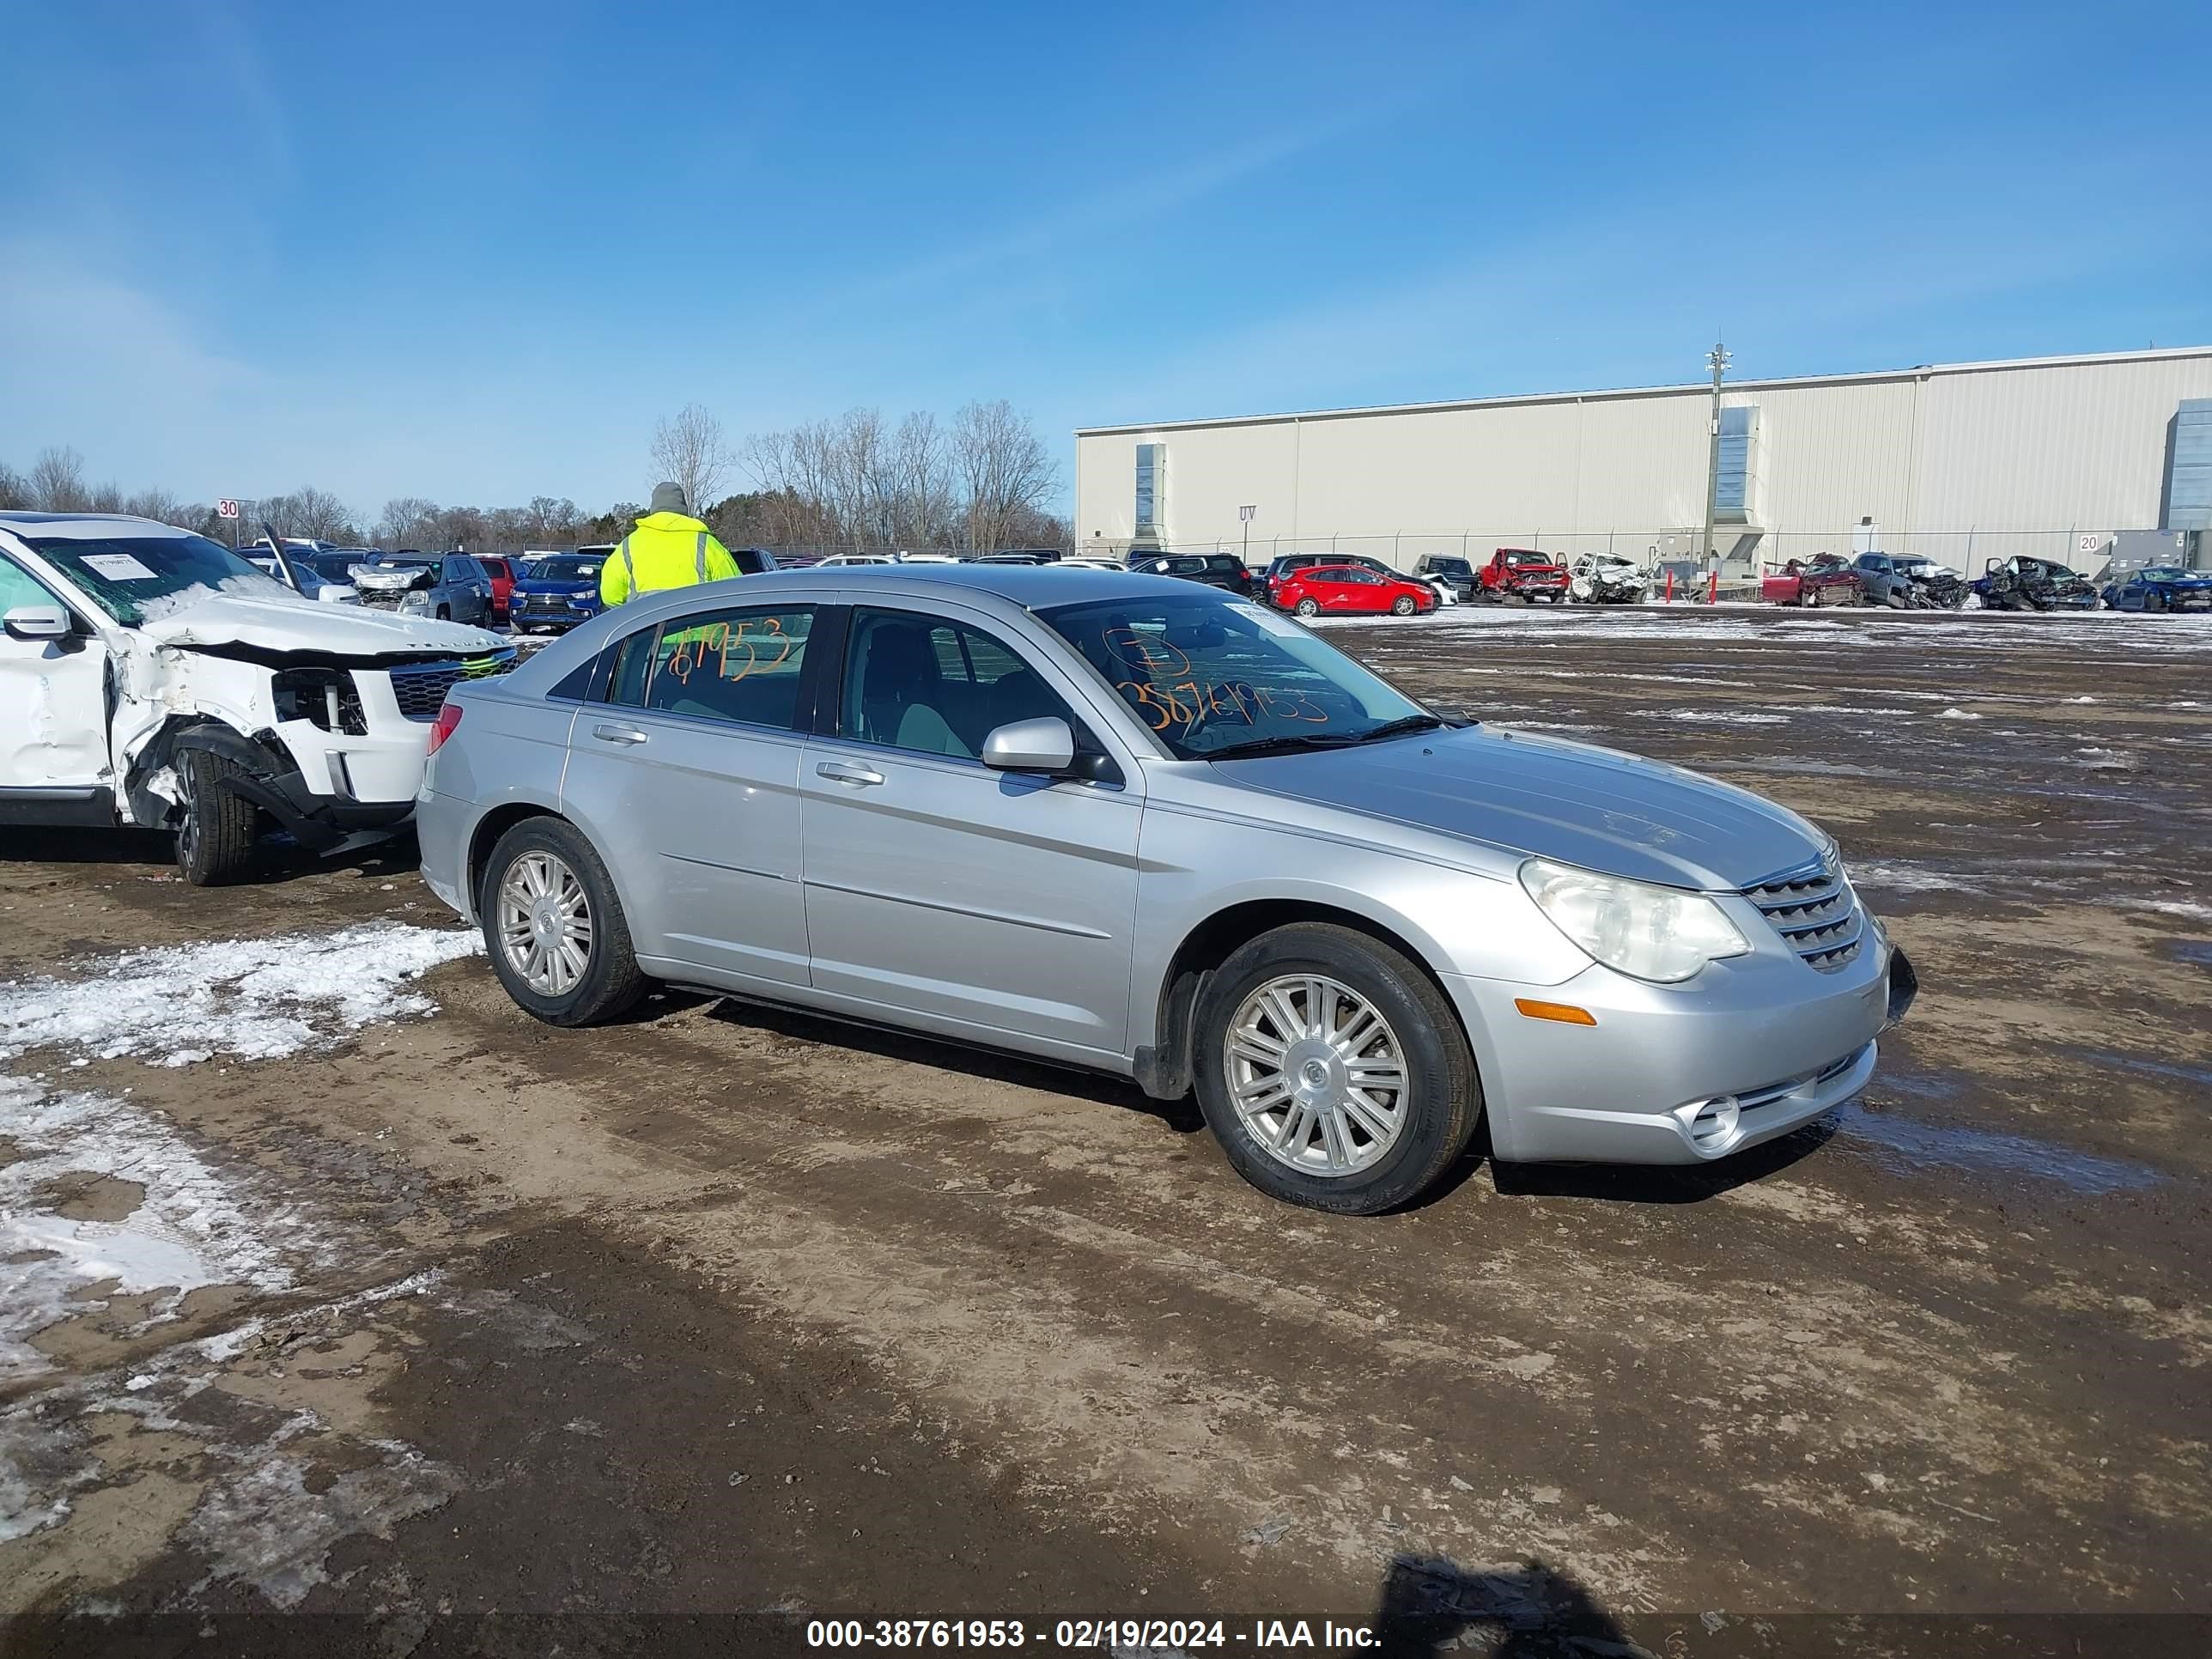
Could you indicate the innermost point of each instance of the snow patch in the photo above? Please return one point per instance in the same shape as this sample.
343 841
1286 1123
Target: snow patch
1906 877
195 1226
1957 713
253 999
1726 717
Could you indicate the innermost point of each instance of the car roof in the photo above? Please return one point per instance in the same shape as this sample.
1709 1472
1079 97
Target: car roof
86 526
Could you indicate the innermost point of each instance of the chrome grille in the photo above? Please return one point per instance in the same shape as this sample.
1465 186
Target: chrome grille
420 689
1816 913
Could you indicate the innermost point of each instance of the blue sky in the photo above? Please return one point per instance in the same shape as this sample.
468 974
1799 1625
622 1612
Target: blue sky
472 252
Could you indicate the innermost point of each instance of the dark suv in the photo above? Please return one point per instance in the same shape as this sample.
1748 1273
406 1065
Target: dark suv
1224 570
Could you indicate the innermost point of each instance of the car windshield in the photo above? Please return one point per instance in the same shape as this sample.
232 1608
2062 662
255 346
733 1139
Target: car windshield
1216 676
137 578
1527 558
395 562
2162 573
564 570
1452 566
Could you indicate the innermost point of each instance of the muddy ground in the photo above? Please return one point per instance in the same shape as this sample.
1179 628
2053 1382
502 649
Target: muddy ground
590 1341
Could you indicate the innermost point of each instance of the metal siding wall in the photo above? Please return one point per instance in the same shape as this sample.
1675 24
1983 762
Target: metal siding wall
2050 448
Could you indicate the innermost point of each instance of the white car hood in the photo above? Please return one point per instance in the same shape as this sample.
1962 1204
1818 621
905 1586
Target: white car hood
295 624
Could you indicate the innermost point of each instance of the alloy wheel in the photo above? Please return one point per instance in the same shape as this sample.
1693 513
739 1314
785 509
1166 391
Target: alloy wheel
1317 1077
545 923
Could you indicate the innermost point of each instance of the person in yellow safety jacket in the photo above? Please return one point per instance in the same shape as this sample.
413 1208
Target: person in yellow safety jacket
668 549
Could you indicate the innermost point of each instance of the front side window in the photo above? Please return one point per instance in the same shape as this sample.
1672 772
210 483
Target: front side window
18 586
1213 675
937 687
738 666
136 579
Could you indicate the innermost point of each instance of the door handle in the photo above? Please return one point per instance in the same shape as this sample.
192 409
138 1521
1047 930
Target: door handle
853 772
610 733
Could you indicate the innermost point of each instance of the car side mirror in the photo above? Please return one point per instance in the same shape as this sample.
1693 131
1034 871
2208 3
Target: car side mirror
37 621
1045 744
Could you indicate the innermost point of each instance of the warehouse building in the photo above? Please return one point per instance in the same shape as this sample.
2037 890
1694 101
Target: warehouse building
1963 462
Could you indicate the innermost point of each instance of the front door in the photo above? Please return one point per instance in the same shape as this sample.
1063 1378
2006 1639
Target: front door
54 763
958 896
688 769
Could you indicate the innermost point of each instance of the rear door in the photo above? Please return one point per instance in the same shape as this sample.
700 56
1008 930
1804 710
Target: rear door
686 772
939 891
54 763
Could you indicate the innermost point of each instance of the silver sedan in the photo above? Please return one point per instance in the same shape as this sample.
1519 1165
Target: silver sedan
1142 826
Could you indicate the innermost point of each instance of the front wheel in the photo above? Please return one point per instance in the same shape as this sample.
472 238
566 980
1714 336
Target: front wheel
1333 1072
1308 607
1403 606
216 827
555 928
445 613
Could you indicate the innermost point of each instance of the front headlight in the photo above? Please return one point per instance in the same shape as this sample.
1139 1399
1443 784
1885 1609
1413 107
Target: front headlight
1657 933
418 601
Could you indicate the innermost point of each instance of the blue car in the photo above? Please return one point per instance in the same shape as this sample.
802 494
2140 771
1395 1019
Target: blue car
2161 587
556 592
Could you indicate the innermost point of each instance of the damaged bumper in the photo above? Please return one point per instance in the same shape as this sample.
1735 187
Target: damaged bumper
349 796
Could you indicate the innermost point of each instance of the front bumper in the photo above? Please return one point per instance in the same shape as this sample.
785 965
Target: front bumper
1674 1075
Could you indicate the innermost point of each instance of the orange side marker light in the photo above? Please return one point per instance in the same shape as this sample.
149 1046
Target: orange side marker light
1565 1013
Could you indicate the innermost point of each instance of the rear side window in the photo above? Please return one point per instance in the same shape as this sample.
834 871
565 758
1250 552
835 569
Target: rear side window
742 666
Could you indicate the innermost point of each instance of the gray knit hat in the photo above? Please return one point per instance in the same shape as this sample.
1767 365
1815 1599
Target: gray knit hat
669 498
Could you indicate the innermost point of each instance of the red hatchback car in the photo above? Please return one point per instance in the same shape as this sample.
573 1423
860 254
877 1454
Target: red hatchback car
1347 589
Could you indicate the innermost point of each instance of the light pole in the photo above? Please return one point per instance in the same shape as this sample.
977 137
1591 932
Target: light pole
1247 513
1718 358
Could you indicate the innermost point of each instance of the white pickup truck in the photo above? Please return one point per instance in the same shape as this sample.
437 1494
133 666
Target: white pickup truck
151 676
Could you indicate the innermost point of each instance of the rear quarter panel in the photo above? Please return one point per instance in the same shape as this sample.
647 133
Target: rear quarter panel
509 751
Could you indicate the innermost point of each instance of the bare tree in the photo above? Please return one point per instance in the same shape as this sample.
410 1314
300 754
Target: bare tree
1004 470
691 451
15 488
162 508
309 512
552 523
57 481
407 521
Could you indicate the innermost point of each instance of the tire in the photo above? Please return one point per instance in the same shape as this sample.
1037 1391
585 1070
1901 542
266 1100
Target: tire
1403 606
609 980
445 613
217 829
2153 602
1895 600
1308 607
1437 1102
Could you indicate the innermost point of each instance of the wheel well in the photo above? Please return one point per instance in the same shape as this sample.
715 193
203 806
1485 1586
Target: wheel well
494 824
1164 1071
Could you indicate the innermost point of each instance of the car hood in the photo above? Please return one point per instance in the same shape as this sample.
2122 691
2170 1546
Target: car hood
288 624
545 585
1619 814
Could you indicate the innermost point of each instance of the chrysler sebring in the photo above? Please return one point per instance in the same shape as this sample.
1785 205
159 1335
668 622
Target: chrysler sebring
1139 825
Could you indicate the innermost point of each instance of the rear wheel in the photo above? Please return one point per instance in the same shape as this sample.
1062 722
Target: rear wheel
1308 607
555 928
216 828
1333 1072
445 613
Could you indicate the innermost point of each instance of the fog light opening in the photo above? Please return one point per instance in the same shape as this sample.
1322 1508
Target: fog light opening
1713 1126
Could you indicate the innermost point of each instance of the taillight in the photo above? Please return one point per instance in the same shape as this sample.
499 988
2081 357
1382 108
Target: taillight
448 722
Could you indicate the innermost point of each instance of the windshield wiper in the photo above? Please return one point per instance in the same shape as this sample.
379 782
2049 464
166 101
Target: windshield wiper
1280 745
1404 723
1291 744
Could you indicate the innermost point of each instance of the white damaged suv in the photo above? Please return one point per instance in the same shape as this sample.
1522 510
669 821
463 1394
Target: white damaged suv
151 676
